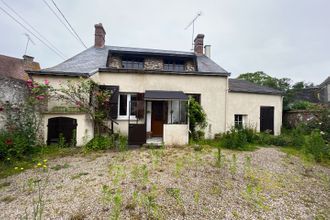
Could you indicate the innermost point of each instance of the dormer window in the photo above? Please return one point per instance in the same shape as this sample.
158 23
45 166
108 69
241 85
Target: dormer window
174 65
132 63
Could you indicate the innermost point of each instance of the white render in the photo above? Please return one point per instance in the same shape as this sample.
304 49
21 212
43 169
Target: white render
176 134
249 104
219 104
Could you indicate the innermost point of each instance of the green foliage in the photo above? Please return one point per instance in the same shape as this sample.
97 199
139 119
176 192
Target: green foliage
322 123
315 145
122 142
15 145
264 79
234 139
197 119
21 120
61 141
302 105
282 84
100 142
87 97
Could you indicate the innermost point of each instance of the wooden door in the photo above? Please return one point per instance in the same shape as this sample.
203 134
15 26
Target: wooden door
267 119
158 118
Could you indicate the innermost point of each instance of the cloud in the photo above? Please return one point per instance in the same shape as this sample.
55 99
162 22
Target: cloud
280 37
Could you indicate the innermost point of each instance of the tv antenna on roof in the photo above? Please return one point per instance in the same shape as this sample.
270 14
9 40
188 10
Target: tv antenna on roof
28 40
193 28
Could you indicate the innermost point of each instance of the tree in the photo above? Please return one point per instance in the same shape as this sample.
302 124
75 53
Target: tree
264 79
86 95
282 84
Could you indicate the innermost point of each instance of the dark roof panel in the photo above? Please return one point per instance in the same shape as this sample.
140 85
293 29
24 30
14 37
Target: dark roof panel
164 95
238 85
91 59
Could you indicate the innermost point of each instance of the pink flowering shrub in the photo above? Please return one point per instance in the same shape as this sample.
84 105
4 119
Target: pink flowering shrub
19 136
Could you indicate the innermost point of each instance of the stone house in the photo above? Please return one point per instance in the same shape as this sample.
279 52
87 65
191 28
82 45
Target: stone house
150 90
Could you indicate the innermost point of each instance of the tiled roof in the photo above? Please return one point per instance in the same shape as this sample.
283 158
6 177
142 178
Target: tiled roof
326 81
91 59
238 85
15 67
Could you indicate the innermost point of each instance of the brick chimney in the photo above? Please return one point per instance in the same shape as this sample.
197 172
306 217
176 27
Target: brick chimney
99 36
28 62
199 44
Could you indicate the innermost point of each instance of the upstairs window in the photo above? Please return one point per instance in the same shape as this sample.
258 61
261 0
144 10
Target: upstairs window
174 65
132 63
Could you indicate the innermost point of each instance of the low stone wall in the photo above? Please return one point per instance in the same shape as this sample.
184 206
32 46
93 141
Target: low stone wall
294 117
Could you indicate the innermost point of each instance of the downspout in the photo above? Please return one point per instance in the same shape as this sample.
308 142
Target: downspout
226 103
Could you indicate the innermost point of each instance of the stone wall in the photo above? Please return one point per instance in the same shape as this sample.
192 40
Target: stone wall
190 66
115 62
294 117
153 64
13 91
150 63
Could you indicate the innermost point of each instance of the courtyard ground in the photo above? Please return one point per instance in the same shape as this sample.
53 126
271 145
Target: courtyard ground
170 183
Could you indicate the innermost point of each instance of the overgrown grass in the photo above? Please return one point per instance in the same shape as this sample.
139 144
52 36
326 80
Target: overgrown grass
11 166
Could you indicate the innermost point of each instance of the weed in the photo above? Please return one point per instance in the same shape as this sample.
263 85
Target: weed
215 190
4 184
78 216
176 194
196 197
8 199
233 165
178 167
117 204
59 167
61 141
140 174
79 175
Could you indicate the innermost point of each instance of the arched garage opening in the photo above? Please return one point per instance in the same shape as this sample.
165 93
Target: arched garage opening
61 125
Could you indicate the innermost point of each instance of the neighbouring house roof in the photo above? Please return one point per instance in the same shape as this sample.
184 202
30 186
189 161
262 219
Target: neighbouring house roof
90 60
325 82
310 94
239 85
164 95
16 68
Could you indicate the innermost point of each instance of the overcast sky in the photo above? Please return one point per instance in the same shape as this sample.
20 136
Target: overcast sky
284 38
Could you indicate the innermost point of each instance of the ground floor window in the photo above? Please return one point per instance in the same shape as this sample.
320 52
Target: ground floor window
239 120
127 105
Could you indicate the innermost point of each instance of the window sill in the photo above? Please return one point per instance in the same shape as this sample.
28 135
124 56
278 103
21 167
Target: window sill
125 118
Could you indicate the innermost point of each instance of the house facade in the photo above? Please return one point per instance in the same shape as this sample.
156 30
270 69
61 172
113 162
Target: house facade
150 92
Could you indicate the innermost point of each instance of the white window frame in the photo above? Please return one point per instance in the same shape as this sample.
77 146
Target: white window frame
125 117
243 119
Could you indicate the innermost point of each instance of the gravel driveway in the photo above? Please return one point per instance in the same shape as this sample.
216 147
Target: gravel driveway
171 183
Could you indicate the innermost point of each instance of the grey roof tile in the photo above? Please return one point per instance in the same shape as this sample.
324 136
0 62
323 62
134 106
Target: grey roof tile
91 59
239 85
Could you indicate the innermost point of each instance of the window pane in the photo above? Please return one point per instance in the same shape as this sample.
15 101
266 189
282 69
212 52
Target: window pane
123 105
133 104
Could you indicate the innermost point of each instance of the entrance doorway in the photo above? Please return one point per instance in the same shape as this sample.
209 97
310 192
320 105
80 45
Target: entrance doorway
158 117
61 126
267 119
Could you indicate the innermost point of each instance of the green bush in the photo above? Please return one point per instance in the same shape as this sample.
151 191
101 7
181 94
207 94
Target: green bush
14 144
302 105
100 142
197 119
234 139
316 146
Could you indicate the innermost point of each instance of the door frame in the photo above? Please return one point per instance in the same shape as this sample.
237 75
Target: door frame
267 123
164 106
